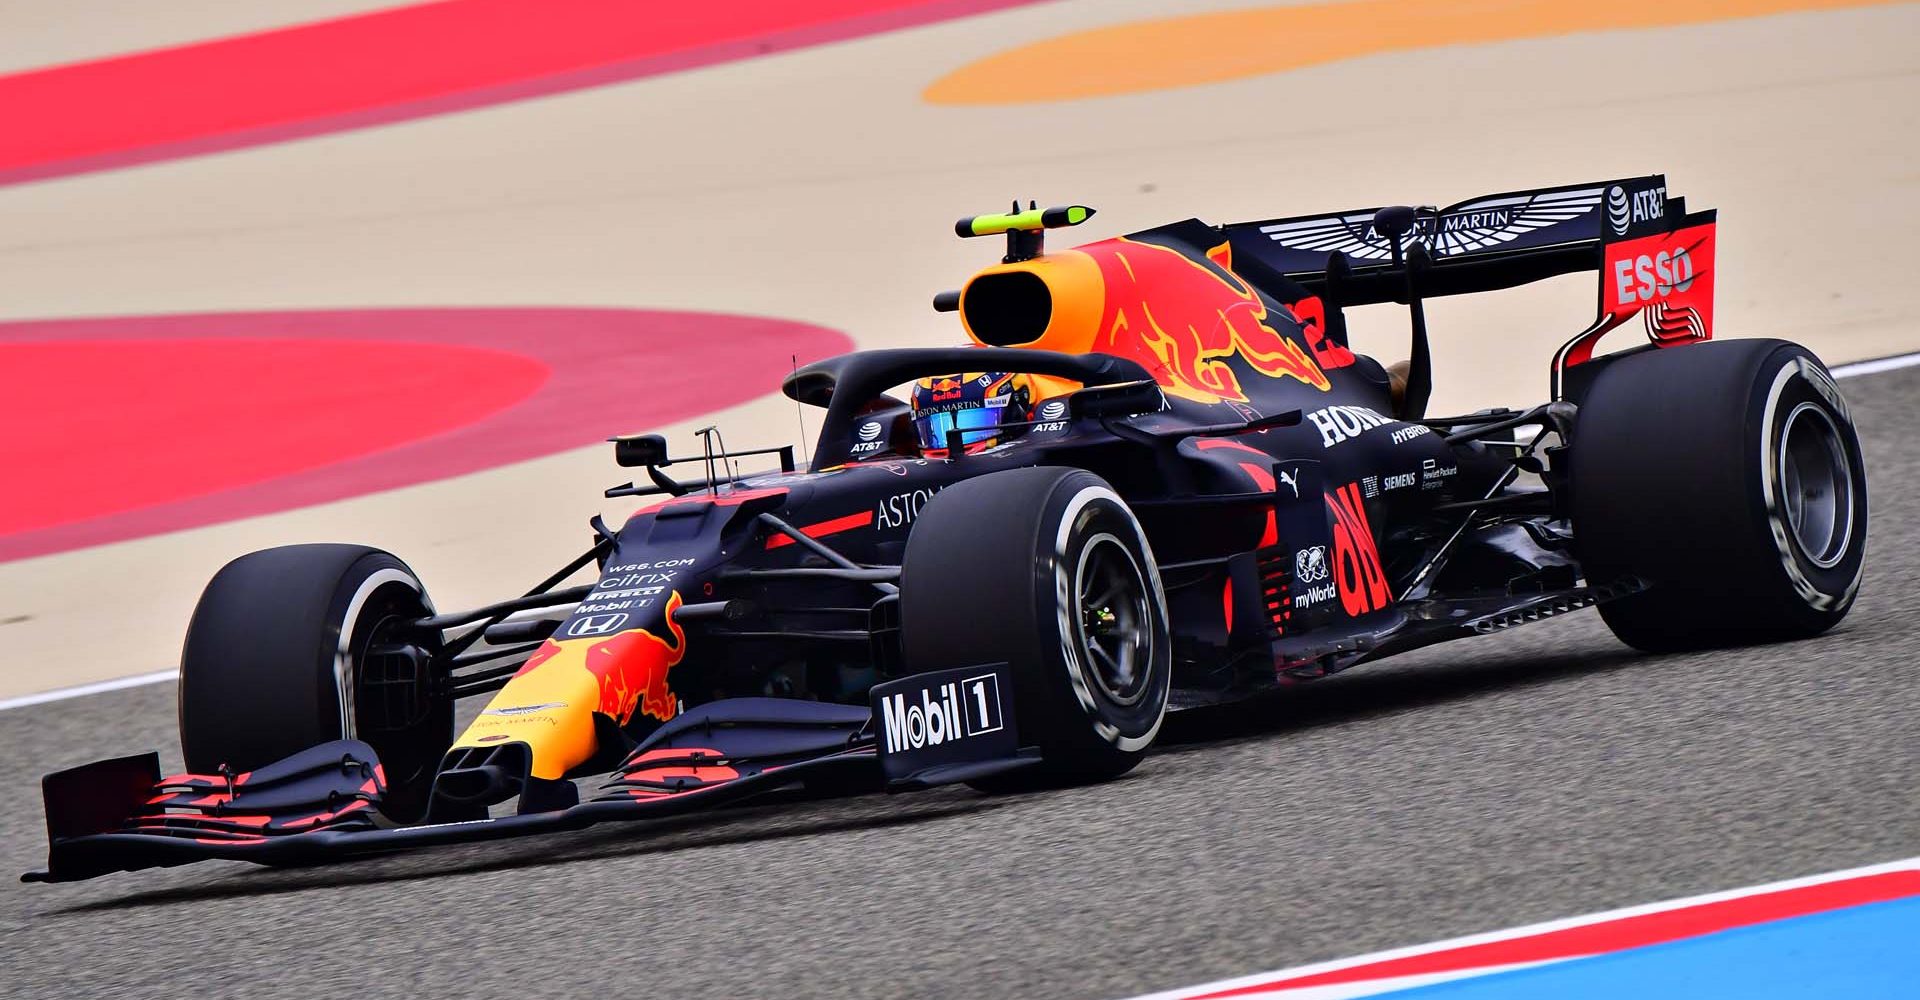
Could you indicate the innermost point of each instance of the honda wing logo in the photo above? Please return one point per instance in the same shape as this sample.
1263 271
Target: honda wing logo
596 624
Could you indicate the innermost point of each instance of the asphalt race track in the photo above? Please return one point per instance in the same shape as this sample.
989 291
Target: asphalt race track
1530 775
637 217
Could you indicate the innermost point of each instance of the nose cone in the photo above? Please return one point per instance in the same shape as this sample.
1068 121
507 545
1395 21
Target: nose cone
550 704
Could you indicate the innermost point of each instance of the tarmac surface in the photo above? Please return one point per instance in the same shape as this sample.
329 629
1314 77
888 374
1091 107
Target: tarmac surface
1524 776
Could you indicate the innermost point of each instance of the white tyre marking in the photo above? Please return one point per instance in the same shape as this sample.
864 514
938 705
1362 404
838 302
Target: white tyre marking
1816 598
343 654
1063 601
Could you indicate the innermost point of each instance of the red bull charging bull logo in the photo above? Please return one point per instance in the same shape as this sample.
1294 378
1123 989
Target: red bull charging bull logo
1183 320
630 668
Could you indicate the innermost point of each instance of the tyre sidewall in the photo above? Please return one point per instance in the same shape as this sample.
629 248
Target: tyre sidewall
1825 592
1084 509
270 659
376 590
386 592
986 575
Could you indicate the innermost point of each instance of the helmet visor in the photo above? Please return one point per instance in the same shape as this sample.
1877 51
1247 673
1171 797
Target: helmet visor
976 424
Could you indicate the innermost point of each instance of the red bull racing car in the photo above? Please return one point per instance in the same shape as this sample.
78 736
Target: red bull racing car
1159 477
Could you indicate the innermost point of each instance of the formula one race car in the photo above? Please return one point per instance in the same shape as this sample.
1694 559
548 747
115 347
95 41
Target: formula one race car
1159 478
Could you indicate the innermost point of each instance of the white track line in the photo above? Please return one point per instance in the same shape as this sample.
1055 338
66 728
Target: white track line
1242 982
1872 367
1877 365
82 690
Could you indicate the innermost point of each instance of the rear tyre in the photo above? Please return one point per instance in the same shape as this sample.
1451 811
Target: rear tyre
300 645
1048 571
1728 476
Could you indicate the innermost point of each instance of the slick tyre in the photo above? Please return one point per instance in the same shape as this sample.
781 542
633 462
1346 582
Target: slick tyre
300 645
1728 477
1048 571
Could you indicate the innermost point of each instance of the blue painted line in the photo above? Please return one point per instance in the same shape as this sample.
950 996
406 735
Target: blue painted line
1859 953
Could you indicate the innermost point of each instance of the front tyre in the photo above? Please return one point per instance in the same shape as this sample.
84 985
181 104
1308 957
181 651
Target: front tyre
1728 476
300 645
1046 570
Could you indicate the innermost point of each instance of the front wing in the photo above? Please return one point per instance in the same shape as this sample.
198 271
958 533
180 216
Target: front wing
322 804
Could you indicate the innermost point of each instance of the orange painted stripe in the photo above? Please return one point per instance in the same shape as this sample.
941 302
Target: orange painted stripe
825 528
1142 56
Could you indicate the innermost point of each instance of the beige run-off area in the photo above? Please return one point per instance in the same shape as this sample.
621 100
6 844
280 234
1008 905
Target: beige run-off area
821 186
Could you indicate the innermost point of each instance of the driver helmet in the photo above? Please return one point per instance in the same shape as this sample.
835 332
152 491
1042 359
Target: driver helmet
980 405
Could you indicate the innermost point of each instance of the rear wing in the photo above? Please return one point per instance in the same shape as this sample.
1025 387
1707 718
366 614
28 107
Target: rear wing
1654 259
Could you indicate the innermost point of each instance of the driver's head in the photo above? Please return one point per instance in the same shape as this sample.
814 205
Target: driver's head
978 404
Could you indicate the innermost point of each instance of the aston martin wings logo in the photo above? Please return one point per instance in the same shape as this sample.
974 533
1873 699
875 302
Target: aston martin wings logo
1463 228
1352 235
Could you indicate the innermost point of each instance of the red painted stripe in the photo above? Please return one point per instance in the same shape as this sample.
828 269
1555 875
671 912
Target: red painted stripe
1619 934
825 528
1208 444
159 429
183 418
396 64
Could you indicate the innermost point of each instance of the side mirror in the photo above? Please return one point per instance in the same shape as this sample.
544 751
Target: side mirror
902 435
640 450
1122 400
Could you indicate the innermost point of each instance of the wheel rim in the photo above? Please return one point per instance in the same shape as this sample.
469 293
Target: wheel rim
1114 624
1816 485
